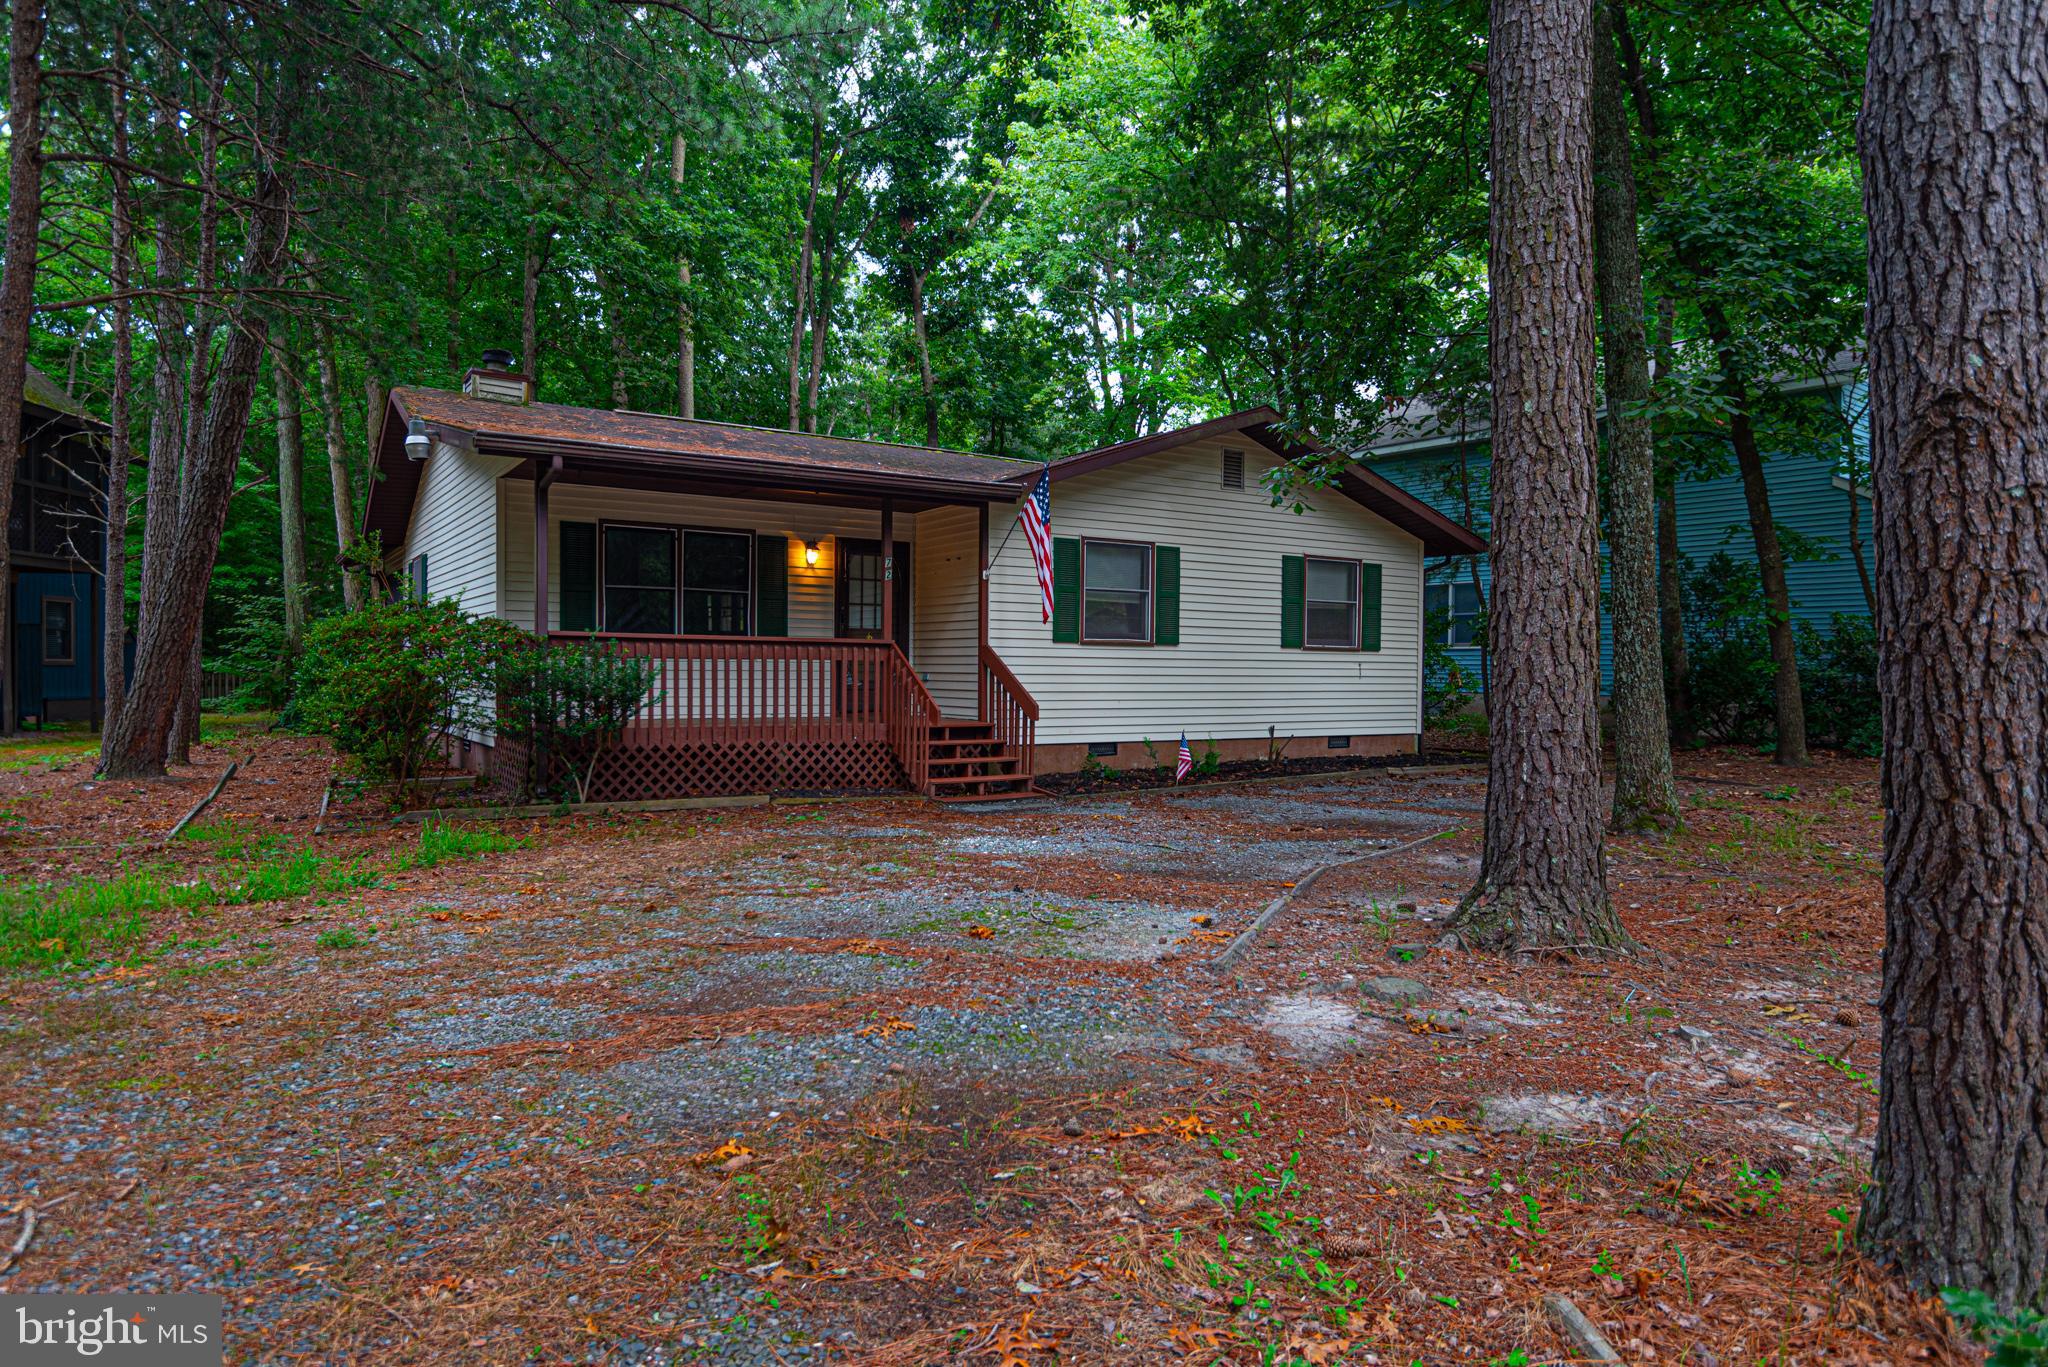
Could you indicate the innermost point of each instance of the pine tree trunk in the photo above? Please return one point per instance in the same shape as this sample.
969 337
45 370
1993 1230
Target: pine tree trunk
800 312
17 295
1770 556
539 246
686 319
120 254
1670 566
337 461
291 496
924 359
1542 884
1645 797
167 646
1954 140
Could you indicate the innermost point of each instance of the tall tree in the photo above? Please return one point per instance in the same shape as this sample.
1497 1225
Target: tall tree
1954 142
1542 884
137 745
291 495
341 490
25 112
120 257
1645 798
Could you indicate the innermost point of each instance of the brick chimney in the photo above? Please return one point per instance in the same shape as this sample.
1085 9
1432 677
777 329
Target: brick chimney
494 378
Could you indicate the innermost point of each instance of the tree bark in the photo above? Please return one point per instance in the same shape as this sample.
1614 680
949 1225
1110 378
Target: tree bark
1645 798
337 462
539 246
1670 565
120 254
291 496
1770 557
1954 142
17 295
1542 884
800 312
686 320
919 334
167 643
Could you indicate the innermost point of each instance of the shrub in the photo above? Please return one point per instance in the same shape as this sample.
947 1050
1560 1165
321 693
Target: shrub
568 703
1838 679
1728 649
1733 679
385 681
253 649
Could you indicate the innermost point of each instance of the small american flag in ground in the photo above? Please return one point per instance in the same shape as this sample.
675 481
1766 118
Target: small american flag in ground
1186 764
1037 516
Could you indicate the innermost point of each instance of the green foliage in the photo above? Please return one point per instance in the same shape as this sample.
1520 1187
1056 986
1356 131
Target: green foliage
1838 679
1209 762
338 937
385 681
2017 1340
1446 689
1733 677
253 647
566 703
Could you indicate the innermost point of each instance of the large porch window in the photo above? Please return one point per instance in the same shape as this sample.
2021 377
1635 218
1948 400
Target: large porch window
717 572
657 577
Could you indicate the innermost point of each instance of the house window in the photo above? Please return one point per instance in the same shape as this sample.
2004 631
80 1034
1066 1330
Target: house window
1116 591
1461 603
640 579
1332 599
717 573
60 640
416 578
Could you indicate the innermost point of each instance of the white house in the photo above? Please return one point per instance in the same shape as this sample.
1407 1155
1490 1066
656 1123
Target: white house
835 613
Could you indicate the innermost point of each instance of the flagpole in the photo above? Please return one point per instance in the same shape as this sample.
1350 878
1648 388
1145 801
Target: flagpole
1012 528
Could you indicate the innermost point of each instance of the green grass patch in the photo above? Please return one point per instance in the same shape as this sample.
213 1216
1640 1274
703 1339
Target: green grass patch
439 843
339 937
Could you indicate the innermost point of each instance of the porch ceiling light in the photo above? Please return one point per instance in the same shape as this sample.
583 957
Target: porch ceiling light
811 554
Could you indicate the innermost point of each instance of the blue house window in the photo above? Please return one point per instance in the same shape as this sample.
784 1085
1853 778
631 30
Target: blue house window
1461 601
60 636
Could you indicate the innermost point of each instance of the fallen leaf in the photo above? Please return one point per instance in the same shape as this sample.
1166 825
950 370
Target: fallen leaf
980 933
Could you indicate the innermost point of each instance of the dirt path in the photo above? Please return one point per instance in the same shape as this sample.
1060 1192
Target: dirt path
884 1082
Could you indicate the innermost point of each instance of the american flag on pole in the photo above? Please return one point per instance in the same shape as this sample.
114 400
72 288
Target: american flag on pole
1037 519
1185 765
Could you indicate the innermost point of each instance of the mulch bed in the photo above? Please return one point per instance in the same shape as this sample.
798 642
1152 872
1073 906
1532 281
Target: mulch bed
1141 780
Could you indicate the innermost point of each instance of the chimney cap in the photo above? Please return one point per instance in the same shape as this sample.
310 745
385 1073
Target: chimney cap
497 358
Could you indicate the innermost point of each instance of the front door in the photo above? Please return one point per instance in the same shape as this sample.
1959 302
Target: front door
857 610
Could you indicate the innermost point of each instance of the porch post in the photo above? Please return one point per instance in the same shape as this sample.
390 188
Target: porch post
981 640
889 569
543 479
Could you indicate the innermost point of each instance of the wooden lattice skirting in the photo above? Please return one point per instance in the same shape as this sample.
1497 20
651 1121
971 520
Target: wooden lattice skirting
642 772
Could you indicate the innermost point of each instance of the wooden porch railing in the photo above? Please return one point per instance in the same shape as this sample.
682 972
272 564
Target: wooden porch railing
731 714
1008 706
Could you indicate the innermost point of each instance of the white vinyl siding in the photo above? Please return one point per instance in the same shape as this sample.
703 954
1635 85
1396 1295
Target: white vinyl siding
945 615
454 526
1229 678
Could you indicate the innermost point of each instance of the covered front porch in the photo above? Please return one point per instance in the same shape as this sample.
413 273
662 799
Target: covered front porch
802 639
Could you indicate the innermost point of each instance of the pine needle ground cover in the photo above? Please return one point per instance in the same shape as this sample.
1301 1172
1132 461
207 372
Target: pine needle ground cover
881 1082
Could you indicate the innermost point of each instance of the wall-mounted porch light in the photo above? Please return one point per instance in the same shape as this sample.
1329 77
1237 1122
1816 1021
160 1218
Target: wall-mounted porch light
811 554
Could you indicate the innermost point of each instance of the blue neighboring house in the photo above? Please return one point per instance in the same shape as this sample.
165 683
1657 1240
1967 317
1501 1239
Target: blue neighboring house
59 557
1437 457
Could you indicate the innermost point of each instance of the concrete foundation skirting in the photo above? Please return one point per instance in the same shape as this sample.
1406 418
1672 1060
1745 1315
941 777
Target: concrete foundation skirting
1131 754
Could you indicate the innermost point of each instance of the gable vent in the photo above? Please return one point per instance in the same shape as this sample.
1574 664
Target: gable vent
1233 469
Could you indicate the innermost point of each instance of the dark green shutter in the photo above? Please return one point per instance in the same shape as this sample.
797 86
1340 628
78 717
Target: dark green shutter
1166 595
579 576
771 586
1066 588
1369 608
1293 599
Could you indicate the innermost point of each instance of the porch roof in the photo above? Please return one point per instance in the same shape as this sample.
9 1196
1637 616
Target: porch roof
625 443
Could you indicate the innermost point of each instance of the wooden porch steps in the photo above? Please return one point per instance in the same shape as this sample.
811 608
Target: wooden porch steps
966 763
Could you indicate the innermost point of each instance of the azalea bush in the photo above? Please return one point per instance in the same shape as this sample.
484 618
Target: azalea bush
387 681
568 703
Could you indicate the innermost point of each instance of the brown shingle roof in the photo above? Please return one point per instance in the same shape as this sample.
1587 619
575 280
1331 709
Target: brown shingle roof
497 425
651 444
